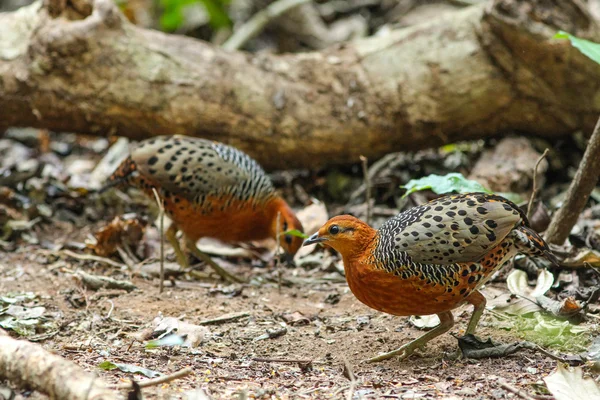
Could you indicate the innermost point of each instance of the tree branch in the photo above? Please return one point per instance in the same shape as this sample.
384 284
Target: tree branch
578 193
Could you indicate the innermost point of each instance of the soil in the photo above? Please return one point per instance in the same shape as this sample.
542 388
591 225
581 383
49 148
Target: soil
325 326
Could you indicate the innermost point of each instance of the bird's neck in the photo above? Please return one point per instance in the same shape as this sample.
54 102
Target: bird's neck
362 246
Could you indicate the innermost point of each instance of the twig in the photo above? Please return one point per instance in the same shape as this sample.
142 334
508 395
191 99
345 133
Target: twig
365 169
579 191
157 381
535 188
223 319
91 257
161 207
512 389
112 307
278 252
96 282
350 375
257 23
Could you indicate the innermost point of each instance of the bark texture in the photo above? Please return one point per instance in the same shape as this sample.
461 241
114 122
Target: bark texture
79 66
30 366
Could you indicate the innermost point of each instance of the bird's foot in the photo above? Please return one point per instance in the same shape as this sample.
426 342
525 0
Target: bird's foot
403 352
216 267
224 274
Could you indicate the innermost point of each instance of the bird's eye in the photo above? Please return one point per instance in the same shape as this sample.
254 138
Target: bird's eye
285 226
288 239
334 229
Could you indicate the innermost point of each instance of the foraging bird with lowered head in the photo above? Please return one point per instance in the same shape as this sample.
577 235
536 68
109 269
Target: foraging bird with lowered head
209 189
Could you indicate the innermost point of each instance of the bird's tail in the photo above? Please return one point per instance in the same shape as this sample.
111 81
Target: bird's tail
530 242
121 174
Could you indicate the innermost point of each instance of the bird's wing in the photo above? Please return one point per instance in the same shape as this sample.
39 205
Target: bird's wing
453 229
190 167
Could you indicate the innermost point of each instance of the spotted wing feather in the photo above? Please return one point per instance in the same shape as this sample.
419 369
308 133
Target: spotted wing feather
452 229
193 167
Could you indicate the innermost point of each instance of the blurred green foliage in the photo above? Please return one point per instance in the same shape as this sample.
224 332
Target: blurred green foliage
172 13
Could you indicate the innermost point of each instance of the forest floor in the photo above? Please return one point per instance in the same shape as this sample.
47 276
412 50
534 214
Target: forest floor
325 326
292 332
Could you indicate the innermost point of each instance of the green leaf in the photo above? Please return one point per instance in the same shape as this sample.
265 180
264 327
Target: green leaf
134 369
453 182
295 232
169 340
589 49
107 365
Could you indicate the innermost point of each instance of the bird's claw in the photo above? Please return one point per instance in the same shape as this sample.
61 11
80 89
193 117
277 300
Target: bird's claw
402 353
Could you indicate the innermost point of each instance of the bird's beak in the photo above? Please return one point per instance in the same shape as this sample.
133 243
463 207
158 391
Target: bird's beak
314 239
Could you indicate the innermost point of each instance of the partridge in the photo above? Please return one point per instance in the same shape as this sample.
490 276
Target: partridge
431 258
209 189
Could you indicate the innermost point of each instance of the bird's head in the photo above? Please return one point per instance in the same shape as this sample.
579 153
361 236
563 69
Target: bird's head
287 222
346 234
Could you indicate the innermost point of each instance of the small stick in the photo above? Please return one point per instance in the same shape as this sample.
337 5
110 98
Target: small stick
365 169
257 23
223 319
161 206
350 375
278 252
534 192
578 193
157 381
96 282
112 307
90 257
125 257
512 389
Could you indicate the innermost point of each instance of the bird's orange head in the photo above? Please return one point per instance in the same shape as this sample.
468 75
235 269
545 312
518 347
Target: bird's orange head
346 234
287 222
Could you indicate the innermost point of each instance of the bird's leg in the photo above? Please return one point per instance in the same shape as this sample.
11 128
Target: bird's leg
478 301
206 258
171 235
446 322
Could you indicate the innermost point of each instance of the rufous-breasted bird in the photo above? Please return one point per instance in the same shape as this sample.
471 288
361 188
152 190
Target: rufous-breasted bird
431 258
209 189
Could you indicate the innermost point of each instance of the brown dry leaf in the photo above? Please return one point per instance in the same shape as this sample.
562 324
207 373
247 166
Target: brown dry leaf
582 257
563 309
121 230
296 318
569 384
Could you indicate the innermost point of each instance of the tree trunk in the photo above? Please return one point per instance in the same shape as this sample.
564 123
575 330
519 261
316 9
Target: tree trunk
485 70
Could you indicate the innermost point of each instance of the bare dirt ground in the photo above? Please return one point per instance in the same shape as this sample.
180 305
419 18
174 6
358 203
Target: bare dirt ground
325 325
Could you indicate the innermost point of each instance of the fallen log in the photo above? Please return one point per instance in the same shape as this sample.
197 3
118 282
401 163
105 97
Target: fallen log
29 366
487 69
